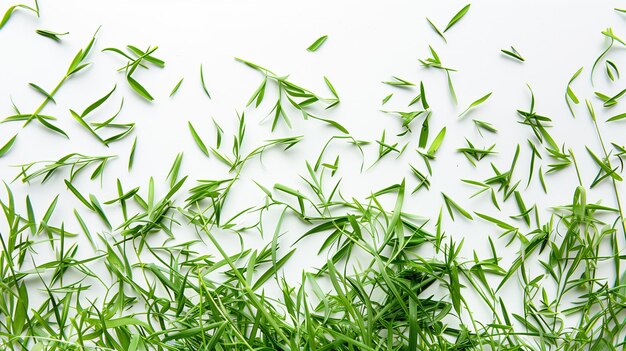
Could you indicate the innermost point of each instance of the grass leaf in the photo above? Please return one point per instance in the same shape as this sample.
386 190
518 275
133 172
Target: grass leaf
42 91
49 34
476 103
513 53
176 87
317 43
97 103
432 25
457 17
139 88
198 140
7 146
204 88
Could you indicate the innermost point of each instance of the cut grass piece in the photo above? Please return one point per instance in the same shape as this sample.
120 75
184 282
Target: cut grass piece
570 97
514 54
399 82
7 146
439 33
198 140
50 34
451 205
317 43
457 17
204 88
176 87
9 12
475 103
139 88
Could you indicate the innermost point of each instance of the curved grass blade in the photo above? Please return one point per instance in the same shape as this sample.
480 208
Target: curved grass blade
97 104
139 88
6 147
457 17
172 175
147 55
333 91
436 142
198 140
569 93
399 82
611 70
606 168
513 53
176 87
78 195
317 43
10 10
49 34
206 91
617 118
131 156
423 97
82 122
476 103
432 25
42 91
450 205
50 126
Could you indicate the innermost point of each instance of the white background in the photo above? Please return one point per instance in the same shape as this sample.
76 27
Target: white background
368 43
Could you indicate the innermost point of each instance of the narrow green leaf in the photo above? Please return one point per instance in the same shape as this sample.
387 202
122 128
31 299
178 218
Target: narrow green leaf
82 122
617 117
272 270
9 12
51 126
78 195
423 96
172 175
332 123
176 87
97 104
613 100
476 103
198 140
399 82
436 142
432 25
146 55
139 88
423 139
42 92
7 146
204 88
51 35
131 156
611 172
569 93
450 205
98 208
317 43
457 17
514 54
386 98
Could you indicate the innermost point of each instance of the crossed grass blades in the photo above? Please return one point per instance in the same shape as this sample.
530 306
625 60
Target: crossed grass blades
409 289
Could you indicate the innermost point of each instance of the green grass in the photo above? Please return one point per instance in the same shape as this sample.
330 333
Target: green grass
389 279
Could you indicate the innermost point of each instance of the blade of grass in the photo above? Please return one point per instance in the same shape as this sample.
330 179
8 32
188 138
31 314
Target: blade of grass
457 17
7 146
317 43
